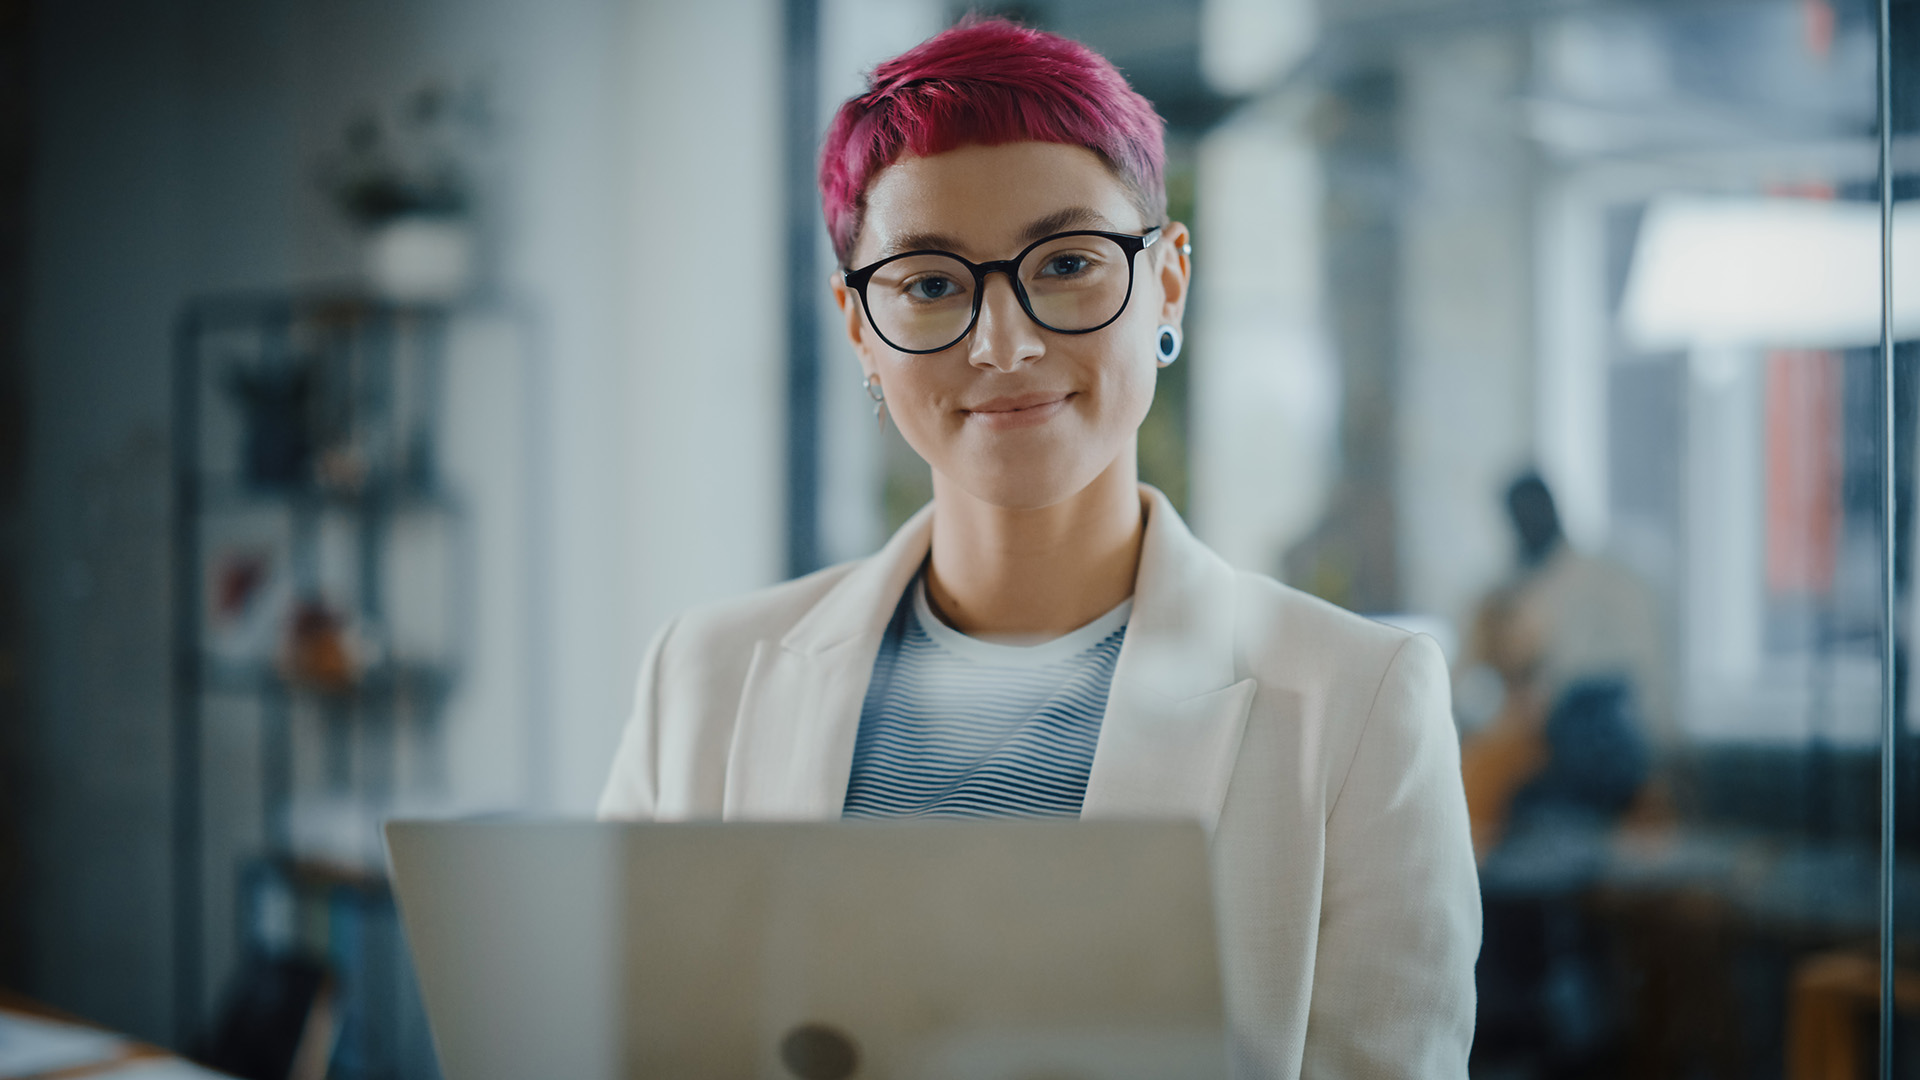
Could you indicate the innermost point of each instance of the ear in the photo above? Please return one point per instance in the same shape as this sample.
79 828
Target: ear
1175 268
854 318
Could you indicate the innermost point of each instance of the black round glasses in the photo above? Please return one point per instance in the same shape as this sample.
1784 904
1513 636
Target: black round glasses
1069 282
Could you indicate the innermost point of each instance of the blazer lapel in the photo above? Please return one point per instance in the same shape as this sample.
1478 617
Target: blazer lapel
800 706
1175 713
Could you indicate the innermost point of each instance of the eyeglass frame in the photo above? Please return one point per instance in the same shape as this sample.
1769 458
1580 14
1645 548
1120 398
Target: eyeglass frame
1133 245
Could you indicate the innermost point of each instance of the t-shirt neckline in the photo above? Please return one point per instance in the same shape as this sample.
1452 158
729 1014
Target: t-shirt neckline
1002 654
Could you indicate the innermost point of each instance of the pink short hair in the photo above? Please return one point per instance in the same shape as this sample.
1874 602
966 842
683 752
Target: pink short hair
988 81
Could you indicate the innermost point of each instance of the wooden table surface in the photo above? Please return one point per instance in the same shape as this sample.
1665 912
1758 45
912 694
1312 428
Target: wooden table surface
134 1049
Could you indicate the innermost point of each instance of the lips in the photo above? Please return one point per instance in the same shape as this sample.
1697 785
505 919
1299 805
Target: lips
1019 402
1019 410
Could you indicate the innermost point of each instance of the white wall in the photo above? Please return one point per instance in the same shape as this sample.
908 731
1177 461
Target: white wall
1265 400
1572 331
1266 385
703 312
1465 396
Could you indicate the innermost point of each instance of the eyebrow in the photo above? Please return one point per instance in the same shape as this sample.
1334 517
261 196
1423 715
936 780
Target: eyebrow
1067 220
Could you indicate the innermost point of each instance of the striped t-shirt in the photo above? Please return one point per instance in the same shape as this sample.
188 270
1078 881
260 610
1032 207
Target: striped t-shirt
957 727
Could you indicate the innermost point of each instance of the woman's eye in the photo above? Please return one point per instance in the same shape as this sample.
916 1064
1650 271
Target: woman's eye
931 288
1066 265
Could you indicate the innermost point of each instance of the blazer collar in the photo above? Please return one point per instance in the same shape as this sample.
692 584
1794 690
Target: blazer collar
1180 639
1175 713
799 715
863 600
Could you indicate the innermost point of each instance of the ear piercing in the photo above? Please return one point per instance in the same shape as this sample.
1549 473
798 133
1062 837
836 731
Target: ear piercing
879 398
1168 345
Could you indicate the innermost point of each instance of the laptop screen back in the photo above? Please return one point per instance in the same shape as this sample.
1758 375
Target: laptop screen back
953 950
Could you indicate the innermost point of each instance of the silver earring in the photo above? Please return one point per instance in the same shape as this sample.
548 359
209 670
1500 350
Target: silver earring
879 398
1168 343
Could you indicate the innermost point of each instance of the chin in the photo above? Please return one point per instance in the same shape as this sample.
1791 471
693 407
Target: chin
1027 486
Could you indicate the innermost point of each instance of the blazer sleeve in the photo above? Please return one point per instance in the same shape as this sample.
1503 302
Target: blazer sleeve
633 787
1393 990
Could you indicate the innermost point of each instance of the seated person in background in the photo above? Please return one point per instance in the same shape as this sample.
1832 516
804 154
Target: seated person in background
1569 648
1543 766
1549 778
1501 753
1047 638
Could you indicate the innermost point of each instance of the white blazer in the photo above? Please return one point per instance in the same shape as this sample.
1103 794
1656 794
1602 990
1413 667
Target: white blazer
1316 746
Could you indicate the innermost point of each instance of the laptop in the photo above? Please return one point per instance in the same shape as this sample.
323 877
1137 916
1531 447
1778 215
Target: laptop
818 951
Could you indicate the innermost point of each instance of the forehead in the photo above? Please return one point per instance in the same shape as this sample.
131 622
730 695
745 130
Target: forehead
980 200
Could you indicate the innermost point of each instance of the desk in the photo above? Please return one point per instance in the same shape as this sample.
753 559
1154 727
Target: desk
1693 952
1790 889
1785 888
38 1042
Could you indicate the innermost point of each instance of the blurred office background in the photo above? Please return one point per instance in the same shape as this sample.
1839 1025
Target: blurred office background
375 378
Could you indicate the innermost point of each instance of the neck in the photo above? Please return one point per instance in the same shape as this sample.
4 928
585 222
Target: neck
1045 571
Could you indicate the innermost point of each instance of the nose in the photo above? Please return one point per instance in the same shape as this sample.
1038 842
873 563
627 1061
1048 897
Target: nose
1004 338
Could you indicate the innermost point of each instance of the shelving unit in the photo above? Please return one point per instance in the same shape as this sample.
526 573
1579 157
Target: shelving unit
322 569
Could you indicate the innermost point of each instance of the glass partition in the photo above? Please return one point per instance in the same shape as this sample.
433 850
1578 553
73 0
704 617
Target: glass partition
1594 296
1555 332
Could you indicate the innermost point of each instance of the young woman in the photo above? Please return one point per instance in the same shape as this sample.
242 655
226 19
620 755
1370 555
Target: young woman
1047 638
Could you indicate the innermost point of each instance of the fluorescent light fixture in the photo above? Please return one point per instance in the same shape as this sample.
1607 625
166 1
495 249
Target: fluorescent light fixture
1799 273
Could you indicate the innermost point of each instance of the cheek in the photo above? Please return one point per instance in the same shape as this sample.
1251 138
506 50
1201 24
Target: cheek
916 398
1131 376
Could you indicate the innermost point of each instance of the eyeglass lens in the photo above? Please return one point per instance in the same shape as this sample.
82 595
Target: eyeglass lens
925 302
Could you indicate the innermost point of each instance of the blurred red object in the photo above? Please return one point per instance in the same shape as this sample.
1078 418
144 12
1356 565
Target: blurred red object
1817 22
1803 470
236 581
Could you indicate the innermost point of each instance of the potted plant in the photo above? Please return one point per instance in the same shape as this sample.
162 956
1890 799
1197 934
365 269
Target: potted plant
402 181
